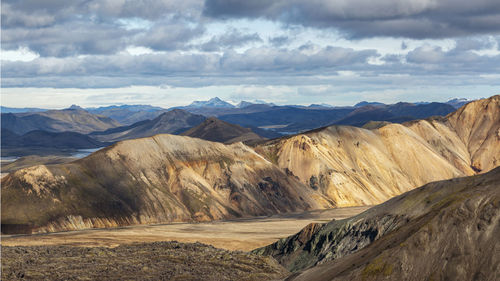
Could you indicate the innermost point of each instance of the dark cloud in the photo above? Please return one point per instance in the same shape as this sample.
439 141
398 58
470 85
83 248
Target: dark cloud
366 18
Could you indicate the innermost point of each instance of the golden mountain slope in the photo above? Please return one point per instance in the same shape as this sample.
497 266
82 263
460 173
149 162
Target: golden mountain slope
150 180
355 166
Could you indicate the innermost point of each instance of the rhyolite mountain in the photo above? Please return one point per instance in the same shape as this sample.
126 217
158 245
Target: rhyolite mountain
357 166
71 119
172 178
213 129
159 179
172 122
446 230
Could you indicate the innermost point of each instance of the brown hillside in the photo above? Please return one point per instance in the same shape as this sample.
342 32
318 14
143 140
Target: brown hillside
445 230
213 129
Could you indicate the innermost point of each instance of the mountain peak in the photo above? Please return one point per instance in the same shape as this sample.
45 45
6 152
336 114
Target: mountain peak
214 129
75 107
213 102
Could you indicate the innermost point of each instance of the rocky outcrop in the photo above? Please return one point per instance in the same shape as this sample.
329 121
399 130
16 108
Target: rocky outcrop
138 261
444 230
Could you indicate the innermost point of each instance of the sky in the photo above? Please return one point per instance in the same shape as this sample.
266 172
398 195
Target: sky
55 53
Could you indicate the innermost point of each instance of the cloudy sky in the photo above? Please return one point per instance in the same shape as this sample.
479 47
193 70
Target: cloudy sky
169 52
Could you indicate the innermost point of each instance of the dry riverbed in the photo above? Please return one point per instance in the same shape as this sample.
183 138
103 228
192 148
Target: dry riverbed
242 234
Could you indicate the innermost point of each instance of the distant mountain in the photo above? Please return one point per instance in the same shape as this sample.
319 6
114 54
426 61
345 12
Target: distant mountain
365 103
244 104
74 120
320 106
458 102
129 114
291 119
395 113
43 139
4 109
171 122
132 108
213 129
219 111
445 230
214 103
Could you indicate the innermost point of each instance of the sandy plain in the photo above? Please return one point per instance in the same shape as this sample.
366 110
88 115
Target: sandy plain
240 234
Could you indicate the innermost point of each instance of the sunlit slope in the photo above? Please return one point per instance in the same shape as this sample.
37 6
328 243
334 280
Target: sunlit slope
356 166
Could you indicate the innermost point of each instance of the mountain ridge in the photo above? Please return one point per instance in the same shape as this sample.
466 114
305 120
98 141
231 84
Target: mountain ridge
405 238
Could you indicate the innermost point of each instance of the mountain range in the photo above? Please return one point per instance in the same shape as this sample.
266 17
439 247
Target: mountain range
177 178
74 120
171 122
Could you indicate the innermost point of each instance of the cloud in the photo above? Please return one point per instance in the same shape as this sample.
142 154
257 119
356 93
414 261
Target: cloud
169 35
69 39
412 18
68 28
231 38
279 41
258 65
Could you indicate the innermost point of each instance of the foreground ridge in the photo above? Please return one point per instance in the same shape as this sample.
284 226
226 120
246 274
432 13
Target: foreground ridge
441 231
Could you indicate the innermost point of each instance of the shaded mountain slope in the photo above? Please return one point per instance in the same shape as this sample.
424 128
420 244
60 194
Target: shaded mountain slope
43 139
445 230
170 122
159 179
302 118
355 166
396 113
74 120
213 129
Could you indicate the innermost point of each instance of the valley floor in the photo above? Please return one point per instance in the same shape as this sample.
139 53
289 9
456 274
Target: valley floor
241 234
